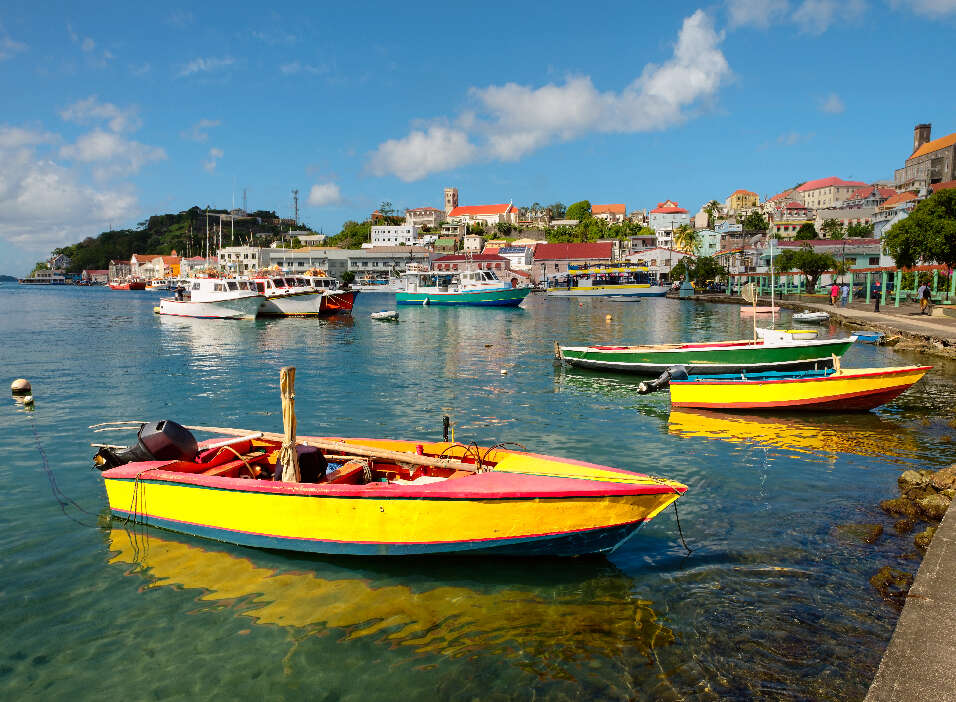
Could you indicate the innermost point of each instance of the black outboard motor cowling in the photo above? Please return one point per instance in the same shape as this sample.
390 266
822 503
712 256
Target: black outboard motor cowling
672 373
164 440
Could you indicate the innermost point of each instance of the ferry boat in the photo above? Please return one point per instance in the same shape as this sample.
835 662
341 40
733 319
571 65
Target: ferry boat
160 284
214 298
476 288
621 279
288 296
44 278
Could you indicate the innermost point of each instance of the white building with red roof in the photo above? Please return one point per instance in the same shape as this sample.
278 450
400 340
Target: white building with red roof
610 213
826 192
489 215
665 218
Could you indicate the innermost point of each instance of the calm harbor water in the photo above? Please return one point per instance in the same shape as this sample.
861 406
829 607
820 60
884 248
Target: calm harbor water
772 603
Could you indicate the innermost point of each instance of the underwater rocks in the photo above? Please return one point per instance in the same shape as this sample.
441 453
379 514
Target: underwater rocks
921 540
867 533
892 584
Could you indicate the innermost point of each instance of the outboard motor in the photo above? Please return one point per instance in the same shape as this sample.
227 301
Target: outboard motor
164 440
672 373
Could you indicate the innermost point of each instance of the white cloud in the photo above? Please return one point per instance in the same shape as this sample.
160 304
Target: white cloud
9 47
422 152
930 8
214 156
198 132
88 46
832 104
112 154
204 65
44 204
816 16
794 138
325 194
92 110
755 13
296 67
513 120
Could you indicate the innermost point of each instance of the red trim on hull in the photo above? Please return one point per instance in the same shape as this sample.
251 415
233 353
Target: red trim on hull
856 401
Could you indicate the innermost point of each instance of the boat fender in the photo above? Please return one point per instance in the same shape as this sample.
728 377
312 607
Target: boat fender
672 373
164 440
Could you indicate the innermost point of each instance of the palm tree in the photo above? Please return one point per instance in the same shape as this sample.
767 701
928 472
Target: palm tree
687 239
712 208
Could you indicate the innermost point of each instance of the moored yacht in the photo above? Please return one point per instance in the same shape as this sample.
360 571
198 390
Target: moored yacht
288 296
334 297
476 288
214 298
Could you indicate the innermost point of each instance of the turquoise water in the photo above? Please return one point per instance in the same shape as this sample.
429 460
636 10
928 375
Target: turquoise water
772 603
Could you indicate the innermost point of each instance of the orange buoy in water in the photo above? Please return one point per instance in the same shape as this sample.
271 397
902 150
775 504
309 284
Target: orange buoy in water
20 386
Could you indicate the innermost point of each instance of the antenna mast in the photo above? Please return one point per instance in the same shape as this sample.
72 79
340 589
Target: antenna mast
244 208
295 200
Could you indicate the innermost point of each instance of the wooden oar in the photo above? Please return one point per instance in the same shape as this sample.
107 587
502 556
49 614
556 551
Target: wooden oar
354 449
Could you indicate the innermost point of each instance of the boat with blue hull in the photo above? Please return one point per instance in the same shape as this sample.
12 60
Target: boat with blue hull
477 288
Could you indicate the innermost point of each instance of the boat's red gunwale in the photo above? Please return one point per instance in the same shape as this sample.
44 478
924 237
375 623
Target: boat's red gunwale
863 400
845 376
483 486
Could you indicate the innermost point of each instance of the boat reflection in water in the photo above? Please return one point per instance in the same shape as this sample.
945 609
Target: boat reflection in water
589 613
859 435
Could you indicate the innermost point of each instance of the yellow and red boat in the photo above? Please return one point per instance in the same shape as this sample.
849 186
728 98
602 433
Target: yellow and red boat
830 390
381 497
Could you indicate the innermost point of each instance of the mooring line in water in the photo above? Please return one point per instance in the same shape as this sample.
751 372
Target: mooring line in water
62 499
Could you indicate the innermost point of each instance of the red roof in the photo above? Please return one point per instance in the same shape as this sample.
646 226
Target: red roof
569 252
609 209
469 257
503 208
794 206
782 196
827 183
668 207
743 192
898 199
948 185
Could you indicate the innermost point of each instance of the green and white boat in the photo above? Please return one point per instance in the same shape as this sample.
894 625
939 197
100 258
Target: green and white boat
477 288
775 353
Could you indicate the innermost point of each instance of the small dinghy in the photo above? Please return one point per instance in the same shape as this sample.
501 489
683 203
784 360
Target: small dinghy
784 335
385 315
751 311
869 337
808 316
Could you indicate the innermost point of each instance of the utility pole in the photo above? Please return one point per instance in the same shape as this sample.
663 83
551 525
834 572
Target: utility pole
295 200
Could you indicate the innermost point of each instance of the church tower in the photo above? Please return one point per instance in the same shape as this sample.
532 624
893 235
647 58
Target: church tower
451 200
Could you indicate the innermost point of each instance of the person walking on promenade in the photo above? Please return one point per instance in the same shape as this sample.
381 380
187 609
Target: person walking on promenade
923 294
844 294
834 293
876 293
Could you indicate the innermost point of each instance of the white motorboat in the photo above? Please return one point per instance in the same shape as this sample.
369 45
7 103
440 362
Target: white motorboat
808 316
159 284
783 336
213 298
335 298
288 296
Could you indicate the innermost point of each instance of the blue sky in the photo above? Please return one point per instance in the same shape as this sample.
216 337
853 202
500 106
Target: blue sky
114 112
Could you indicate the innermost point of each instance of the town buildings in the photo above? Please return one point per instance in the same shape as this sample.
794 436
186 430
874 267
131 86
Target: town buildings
470 262
659 261
612 214
488 215
150 266
826 192
665 218
395 235
424 217
553 259
741 200
931 161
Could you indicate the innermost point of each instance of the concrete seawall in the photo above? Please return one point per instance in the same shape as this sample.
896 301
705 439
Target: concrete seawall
920 662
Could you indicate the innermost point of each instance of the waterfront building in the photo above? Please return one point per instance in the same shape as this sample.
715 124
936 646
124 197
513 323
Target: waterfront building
424 217
242 259
659 261
119 270
553 259
858 254
489 215
665 218
188 266
149 266
332 260
395 235
612 214
931 161
519 257
470 262
99 276
826 192
741 200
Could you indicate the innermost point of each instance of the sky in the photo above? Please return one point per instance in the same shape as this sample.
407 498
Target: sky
116 111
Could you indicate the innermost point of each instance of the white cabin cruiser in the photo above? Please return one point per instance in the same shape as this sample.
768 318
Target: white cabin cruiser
160 284
213 298
288 296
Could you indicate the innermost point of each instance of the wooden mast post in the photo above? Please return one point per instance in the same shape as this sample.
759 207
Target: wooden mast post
288 457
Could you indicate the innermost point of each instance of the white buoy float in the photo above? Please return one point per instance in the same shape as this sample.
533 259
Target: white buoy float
20 386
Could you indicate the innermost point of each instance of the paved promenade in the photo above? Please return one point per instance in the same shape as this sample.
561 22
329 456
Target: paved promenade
920 662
